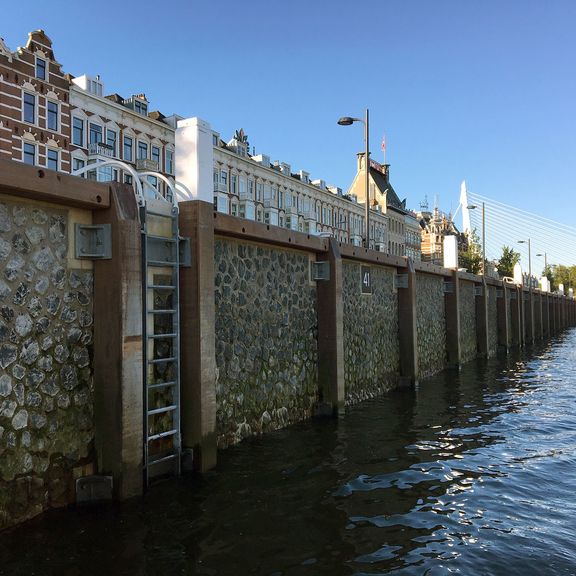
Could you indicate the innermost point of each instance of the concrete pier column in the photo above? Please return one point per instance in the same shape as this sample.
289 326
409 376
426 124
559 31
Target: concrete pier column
453 332
331 332
482 334
408 334
504 328
197 335
537 316
118 348
516 316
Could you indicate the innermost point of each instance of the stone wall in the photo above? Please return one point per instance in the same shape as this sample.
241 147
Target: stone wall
430 324
46 380
468 345
371 349
492 321
266 339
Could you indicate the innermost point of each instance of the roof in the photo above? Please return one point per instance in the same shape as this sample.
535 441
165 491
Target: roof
385 188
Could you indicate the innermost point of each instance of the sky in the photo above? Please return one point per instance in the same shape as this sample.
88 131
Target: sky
475 90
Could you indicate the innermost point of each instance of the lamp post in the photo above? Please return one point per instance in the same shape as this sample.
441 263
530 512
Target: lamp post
545 261
529 261
346 121
473 207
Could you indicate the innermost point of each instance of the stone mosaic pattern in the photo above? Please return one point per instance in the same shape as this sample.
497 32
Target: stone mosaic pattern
492 321
266 339
46 384
468 344
371 349
430 324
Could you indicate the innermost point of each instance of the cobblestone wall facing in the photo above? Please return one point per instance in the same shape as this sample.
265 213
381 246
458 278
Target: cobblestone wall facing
371 349
430 324
46 384
266 339
468 345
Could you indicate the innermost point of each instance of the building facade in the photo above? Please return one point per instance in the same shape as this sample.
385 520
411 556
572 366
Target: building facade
435 226
403 227
255 188
59 122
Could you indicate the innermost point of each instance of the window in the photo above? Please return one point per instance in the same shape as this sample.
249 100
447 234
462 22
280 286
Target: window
77 131
169 164
128 146
77 164
153 181
127 178
52 116
224 177
40 69
95 133
52 159
156 155
234 184
29 108
29 154
140 107
251 188
142 150
111 138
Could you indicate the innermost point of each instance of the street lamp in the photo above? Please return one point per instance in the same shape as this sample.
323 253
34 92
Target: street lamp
346 121
473 207
545 261
529 261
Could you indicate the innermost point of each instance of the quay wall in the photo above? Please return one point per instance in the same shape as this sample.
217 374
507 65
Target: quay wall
276 326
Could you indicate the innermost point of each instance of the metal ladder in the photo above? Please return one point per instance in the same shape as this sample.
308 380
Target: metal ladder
162 439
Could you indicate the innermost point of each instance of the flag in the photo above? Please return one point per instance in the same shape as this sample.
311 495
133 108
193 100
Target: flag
384 143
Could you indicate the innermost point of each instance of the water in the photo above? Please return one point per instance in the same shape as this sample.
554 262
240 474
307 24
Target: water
473 473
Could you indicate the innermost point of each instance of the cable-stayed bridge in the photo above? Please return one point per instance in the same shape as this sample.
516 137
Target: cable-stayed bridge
506 225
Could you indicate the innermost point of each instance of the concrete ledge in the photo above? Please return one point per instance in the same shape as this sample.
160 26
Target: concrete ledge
45 185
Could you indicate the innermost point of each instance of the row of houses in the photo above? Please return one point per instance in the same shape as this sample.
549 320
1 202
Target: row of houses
55 120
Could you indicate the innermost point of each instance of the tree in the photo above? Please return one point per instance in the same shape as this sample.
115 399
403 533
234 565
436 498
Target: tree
507 261
470 254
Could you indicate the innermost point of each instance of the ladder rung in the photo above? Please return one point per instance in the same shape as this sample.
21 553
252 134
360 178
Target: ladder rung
161 287
161 263
162 360
161 336
160 311
162 410
162 435
163 214
163 459
161 238
161 385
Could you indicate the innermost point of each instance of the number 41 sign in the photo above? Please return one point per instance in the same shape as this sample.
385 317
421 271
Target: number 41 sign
366 279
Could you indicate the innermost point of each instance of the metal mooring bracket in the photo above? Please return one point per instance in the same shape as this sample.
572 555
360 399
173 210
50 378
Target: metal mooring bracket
400 281
320 270
499 293
93 242
90 489
448 287
478 290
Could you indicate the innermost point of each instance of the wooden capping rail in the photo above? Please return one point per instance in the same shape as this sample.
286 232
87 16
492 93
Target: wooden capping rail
38 183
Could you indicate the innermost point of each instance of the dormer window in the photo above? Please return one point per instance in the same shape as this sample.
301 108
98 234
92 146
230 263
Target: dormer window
95 87
140 107
40 68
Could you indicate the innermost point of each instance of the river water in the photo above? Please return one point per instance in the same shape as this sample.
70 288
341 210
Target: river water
471 473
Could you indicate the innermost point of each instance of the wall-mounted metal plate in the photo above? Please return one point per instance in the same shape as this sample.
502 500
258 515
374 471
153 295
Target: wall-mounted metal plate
184 252
160 249
320 270
478 290
499 293
366 279
90 489
400 281
448 287
513 295
93 242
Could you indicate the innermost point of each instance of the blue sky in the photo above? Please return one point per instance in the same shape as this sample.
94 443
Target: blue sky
479 90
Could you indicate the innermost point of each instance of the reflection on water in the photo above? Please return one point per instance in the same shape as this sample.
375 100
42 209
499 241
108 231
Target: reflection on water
472 473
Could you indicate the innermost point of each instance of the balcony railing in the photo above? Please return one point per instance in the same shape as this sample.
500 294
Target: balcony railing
220 187
100 149
146 164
